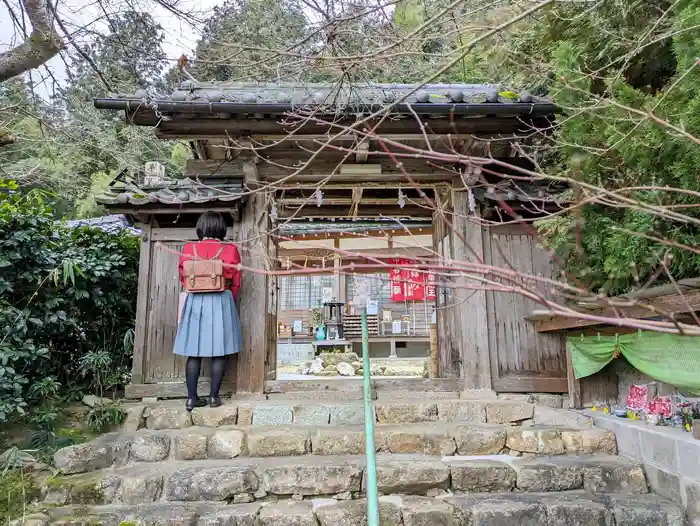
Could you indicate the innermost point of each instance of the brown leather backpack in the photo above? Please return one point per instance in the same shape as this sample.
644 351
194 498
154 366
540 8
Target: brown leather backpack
204 275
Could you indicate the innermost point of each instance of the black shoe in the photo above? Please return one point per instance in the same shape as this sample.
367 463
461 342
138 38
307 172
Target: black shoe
192 403
215 401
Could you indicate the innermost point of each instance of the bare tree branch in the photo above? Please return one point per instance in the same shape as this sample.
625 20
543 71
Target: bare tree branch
42 44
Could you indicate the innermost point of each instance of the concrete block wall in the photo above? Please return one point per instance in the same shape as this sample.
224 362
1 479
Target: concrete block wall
671 458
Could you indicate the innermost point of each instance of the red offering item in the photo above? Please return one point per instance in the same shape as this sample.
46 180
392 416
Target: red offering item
637 398
661 405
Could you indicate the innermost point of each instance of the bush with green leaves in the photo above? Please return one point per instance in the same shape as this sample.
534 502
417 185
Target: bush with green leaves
67 305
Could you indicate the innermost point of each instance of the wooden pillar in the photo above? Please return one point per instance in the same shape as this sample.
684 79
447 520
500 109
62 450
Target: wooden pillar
250 370
471 321
271 314
447 351
434 367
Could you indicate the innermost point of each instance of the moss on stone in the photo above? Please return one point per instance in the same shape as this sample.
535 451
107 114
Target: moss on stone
79 489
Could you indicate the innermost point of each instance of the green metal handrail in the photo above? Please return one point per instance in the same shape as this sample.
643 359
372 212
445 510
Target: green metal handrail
370 451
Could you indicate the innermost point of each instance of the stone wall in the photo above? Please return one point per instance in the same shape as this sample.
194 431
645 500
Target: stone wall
670 457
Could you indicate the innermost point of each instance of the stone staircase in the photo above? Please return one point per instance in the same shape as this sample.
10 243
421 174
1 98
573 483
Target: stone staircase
297 463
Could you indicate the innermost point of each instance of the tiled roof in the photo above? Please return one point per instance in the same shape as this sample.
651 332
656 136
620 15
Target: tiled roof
515 191
278 98
176 192
112 223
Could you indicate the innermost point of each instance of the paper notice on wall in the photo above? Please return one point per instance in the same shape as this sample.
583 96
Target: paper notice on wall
372 307
327 295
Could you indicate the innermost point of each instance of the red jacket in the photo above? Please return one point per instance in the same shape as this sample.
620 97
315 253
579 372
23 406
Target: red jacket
207 249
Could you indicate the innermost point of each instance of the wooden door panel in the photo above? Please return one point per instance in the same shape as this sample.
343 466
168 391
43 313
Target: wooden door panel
162 365
521 359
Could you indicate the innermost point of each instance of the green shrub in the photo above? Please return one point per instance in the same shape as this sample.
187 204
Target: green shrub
67 305
18 490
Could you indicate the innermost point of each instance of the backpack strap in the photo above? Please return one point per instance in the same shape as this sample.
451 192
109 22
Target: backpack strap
216 256
218 252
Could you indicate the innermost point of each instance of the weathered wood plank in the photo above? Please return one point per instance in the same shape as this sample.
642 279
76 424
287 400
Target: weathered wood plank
206 168
517 350
142 300
671 304
573 385
448 353
470 312
250 369
176 208
530 384
272 303
434 355
384 253
217 128
164 290
600 388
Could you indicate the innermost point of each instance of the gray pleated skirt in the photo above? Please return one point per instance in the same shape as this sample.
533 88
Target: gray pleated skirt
209 326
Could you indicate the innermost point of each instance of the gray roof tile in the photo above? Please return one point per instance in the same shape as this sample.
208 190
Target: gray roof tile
174 192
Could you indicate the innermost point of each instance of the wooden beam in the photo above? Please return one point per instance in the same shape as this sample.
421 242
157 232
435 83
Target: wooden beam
234 128
301 253
362 151
251 176
397 231
274 169
530 384
179 209
345 212
659 306
311 201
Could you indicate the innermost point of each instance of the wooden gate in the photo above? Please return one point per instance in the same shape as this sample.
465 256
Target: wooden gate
157 371
522 360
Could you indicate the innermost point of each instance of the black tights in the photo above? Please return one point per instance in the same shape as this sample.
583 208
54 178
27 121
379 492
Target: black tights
192 369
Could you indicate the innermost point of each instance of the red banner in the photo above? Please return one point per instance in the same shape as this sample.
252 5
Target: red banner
415 284
410 284
396 281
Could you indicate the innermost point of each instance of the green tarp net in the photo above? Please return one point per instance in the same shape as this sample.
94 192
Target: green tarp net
668 358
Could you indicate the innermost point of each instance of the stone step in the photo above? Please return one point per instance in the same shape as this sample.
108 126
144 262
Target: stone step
227 442
572 508
248 479
172 415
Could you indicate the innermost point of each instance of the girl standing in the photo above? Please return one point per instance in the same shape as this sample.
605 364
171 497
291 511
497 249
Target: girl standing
209 325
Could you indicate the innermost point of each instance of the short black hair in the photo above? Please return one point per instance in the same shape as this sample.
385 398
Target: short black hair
211 224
